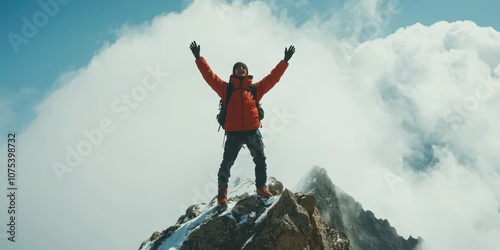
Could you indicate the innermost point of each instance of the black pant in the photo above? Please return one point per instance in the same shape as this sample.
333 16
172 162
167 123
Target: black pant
234 142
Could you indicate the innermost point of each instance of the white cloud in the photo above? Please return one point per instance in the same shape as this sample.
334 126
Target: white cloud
6 114
12 103
364 118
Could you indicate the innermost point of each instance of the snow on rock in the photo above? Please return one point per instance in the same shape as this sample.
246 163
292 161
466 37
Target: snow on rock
318 216
249 221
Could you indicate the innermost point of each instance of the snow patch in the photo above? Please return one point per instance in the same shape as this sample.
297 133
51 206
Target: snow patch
244 218
272 201
241 186
180 235
248 241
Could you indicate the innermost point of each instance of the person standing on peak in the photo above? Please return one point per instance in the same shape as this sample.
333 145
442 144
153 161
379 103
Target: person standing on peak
242 116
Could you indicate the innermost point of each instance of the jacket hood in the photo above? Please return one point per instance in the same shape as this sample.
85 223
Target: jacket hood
241 82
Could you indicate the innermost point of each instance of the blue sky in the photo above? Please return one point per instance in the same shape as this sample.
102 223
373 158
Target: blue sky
67 42
482 12
79 28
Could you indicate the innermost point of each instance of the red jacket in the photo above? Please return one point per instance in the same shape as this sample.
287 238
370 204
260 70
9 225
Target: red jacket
242 114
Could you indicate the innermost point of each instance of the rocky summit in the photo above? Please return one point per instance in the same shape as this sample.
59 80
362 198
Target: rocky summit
317 215
284 221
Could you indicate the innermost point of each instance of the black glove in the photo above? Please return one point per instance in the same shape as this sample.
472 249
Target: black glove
289 53
195 49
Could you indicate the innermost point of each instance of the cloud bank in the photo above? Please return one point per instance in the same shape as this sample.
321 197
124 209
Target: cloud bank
404 123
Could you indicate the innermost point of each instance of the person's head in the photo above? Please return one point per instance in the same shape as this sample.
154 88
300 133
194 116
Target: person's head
240 69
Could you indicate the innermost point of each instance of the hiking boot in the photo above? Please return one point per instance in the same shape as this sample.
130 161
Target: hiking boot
222 196
263 191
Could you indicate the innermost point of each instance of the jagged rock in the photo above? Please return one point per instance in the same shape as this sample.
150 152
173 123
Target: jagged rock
341 211
275 187
191 212
308 202
219 233
238 197
157 238
286 226
340 240
287 221
246 207
319 216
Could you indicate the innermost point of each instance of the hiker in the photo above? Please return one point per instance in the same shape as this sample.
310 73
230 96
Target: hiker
242 119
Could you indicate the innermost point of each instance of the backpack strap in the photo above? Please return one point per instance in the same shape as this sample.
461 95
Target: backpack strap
253 90
229 92
254 93
257 104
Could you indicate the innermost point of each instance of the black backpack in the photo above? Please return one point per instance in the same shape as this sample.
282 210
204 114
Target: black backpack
221 117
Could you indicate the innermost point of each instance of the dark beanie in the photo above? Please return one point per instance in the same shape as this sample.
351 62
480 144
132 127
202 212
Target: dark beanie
238 64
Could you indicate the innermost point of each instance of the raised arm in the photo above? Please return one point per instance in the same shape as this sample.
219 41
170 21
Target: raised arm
215 82
268 82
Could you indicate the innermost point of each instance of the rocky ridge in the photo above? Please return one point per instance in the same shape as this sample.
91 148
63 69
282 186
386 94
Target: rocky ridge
284 221
316 215
339 210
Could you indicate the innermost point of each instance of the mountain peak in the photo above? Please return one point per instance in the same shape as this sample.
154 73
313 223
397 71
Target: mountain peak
319 215
249 221
341 211
317 177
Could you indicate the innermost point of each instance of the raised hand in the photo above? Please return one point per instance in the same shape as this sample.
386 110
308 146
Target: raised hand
289 53
195 49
